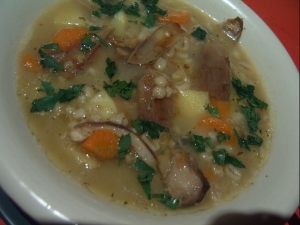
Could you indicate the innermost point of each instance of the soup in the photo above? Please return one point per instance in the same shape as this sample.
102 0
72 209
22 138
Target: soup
153 105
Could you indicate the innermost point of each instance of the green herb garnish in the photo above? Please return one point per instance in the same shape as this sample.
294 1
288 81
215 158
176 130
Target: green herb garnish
52 46
254 140
103 42
221 157
242 142
96 13
87 44
199 33
111 68
252 118
122 88
200 142
94 28
145 177
168 201
213 111
48 102
247 92
48 62
222 137
67 95
146 126
123 147
152 9
133 10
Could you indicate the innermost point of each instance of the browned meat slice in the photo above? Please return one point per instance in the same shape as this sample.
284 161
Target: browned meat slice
214 71
155 101
75 60
82 131
184 180
233 28
156 44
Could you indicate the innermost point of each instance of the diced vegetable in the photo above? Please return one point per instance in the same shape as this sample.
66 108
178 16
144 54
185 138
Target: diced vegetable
103 105
175 16
103 144
69 38
214 123
222 106
31 63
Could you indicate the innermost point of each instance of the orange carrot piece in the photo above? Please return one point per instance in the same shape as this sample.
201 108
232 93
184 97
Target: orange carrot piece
214 123
175 16
69 38
31 63
103 144
222 106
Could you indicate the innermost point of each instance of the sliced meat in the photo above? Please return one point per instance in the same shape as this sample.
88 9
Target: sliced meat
75 60
155 45
82 131
159 110
233 28
214 71
184 181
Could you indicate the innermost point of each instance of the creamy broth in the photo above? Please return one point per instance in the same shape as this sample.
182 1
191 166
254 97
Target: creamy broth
179 64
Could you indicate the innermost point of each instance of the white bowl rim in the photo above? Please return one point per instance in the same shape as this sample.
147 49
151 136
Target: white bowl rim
273 195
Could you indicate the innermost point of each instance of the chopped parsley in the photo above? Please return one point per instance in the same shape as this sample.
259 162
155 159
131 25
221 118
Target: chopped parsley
145 177
152 10
254 140
222 137
47 103
168 201
150 20
48 62
200 142
221 157
96 13
199 33
213 111
122 88
247 92
243 143
111 68
52 46
133 10
87 44
94 28
123 148
146 126
103 42
252 118
151 6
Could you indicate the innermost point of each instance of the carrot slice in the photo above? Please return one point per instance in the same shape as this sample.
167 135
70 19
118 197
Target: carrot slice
31 63
214 123
175 16
222 106
69 38
103 144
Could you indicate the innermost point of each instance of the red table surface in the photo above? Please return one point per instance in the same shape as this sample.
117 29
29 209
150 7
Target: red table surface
282 16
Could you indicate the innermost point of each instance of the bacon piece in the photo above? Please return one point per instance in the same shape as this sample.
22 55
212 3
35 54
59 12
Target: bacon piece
214 71
151 108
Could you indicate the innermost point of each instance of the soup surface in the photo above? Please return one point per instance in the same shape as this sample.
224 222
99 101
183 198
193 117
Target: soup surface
150 104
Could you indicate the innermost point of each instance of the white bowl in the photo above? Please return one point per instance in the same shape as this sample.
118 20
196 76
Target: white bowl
39 188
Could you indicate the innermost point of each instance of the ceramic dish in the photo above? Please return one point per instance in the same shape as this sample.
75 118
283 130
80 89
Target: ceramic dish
39 188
